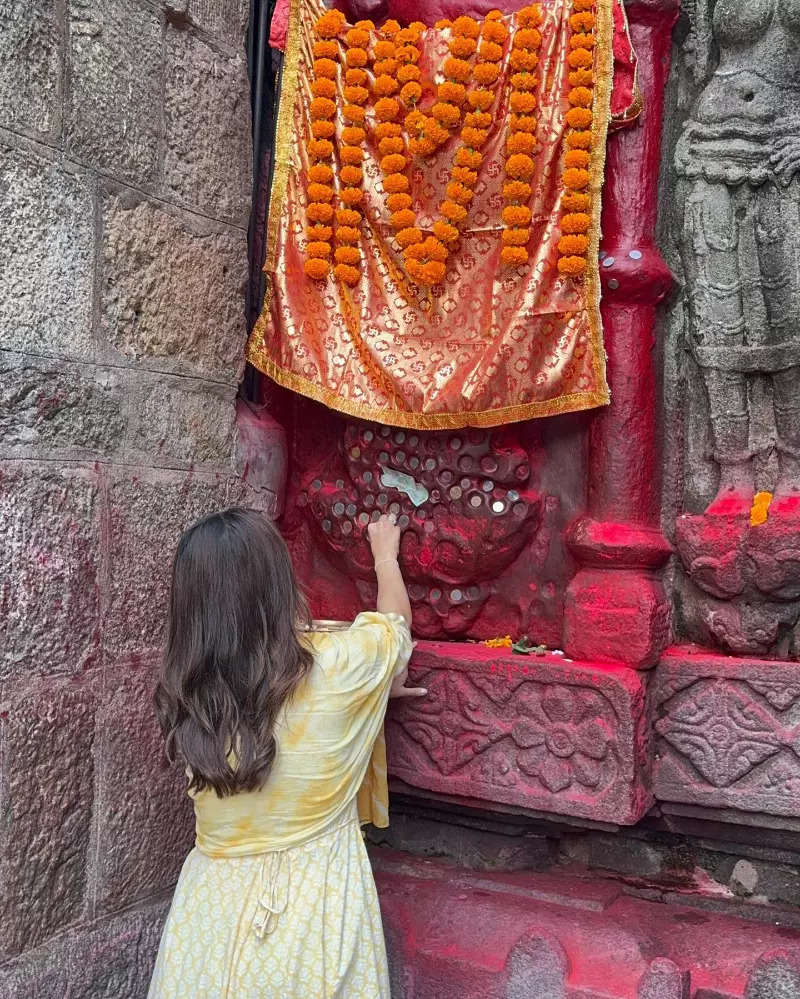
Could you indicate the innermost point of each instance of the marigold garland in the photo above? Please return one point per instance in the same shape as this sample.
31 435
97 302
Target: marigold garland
521 138
576 202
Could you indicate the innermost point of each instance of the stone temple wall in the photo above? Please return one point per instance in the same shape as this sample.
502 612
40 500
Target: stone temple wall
124 195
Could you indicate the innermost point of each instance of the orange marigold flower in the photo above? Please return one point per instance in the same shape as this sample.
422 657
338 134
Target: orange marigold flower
459 192
430 249
320 192
408 237
575 222
316 268
421 146
356 57
387 109
580 58
490 52
322 108
323 129
577 158
416 121
581 42
572 266
385 85
527 38
406 36
391 144
415 271
320 149
478 119
411 93
352 155
474 138
320 174
317 232
495 32
582 4
525 81
520 142
463 48
353 135
466 26
494 15
321 250
395 183
443 24
486 73
398 202
355 77
457 69
521 59
576 180
348 217
444 231
394 163
513 256
517 215
366 25
384 50
356 95
516 237
329 25
516 191
319 212
433 272
573 245
408 53
325 68
447 115
386 67
326 50
323 88
354 112
346 274
464 176
347 234
351 195
454 212
390 28
347 255
580 97
519 165
579 140
351 175
403 219
521 102
452 92
480 99
581 78
356 38
530 16
436 132
387 130
470 158
409 74
583 21
579 117
574 201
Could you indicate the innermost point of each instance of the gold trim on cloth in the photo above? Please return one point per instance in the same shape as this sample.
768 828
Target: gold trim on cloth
486 348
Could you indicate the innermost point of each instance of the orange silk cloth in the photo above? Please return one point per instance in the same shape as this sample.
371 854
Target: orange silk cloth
489 345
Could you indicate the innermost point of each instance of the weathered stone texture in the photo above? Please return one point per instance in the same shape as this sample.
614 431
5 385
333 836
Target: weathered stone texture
111 961
49 568
46 267
149 511
225 19
113 107
206 94
31 66
171 289
146 821
47 404
46 815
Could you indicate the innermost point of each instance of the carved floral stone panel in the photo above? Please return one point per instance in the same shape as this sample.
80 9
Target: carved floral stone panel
728 732
542 733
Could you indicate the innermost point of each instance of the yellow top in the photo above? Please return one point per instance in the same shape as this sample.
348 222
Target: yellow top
330 748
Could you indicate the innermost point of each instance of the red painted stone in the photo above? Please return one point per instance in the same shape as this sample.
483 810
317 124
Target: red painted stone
536 732
727 732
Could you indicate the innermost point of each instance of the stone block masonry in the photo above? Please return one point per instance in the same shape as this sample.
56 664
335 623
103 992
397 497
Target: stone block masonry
124 194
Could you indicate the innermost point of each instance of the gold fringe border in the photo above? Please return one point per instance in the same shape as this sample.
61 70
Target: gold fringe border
572 402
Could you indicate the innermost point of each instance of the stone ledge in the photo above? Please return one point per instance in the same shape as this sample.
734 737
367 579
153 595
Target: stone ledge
726 733
539 733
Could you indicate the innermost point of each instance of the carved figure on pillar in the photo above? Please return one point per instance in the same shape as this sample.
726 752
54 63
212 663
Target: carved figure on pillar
737 167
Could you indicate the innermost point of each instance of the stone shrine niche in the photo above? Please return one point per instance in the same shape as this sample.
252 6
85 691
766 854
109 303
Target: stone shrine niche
735 334
483 511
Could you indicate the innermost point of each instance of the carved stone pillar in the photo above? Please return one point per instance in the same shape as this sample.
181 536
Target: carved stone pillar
616 608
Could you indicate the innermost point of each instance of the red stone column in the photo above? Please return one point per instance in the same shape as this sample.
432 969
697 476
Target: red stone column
616 608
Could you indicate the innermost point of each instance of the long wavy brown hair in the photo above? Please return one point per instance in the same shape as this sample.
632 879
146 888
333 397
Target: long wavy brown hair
232 655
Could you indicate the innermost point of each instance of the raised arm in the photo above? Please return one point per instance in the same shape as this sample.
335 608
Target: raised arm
384 539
